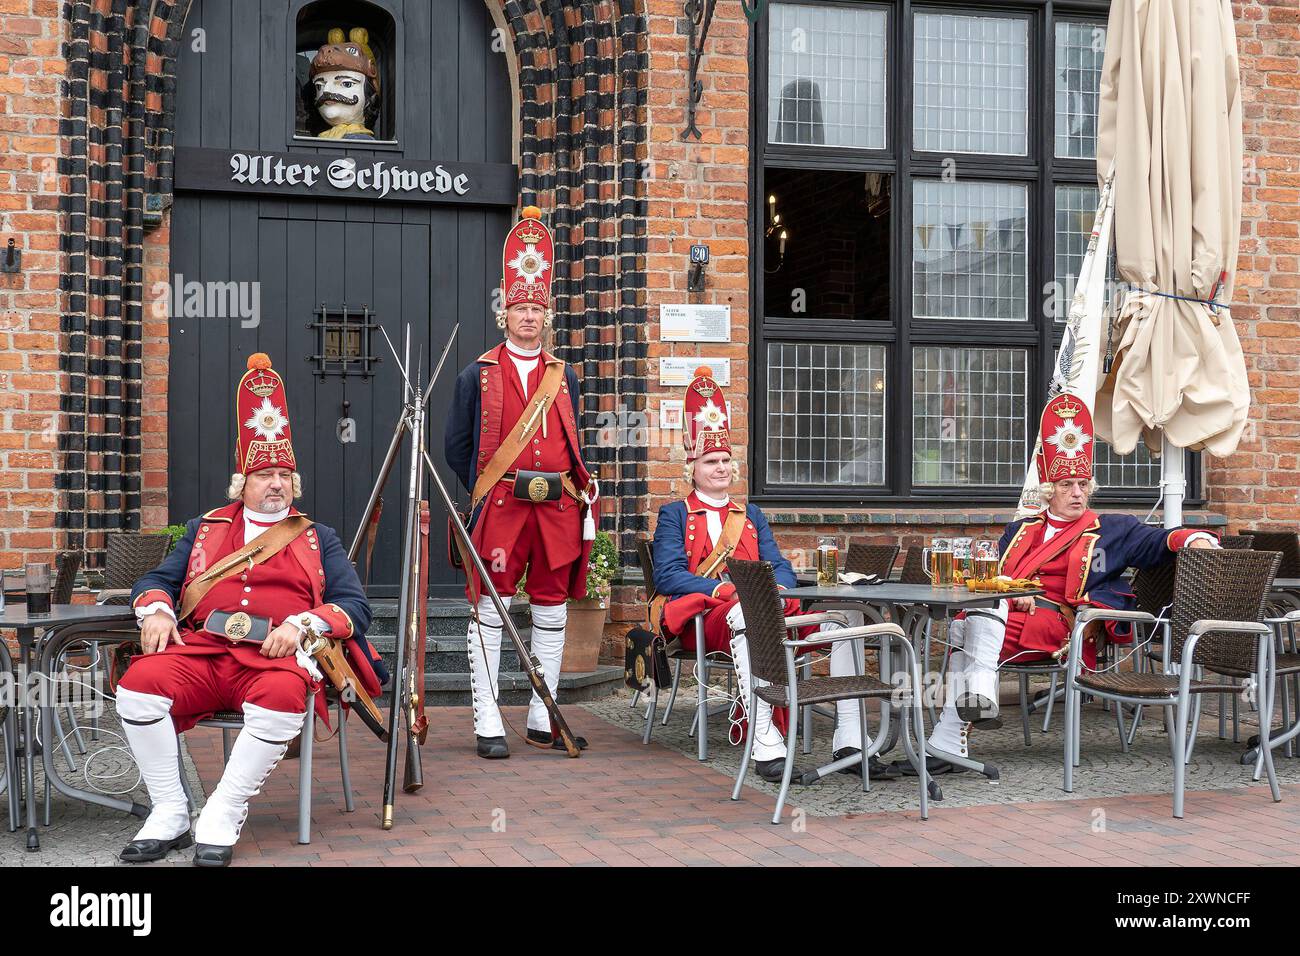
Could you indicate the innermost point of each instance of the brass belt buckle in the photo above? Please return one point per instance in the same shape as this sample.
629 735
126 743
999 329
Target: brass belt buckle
237 626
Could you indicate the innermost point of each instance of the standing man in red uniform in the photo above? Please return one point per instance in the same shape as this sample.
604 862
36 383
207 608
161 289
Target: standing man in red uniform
512 438
221 631
1080 558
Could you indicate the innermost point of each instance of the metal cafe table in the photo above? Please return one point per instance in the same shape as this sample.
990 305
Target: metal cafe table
911 606
75 621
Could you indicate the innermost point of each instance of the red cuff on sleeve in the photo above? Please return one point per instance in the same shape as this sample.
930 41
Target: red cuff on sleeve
338 620
151 597
1178 539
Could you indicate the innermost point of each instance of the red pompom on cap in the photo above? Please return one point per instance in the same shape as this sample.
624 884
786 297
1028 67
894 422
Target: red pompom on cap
704 371
531 212
259 360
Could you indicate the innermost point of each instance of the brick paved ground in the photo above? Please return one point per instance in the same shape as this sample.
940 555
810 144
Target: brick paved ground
627 804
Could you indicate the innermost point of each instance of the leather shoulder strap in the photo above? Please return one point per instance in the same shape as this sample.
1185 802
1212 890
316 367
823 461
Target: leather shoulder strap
534 413
264 547
716 560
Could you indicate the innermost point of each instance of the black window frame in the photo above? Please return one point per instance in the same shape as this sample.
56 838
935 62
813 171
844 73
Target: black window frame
1040 170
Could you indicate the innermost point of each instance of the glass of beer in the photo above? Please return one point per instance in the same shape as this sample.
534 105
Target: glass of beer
828 562
986 560
38 588
938 562
963 560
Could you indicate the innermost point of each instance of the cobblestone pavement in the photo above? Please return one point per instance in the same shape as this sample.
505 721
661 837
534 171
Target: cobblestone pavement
83 834
1026 773
627 804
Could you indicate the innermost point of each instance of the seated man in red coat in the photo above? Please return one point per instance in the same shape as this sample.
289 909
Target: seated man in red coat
220 625
1080 558
692 539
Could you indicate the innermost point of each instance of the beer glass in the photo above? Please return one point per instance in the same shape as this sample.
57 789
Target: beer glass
986 560
38 588
938 562
963 560
828 562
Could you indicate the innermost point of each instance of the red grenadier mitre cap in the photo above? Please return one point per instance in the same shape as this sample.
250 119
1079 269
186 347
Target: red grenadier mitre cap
706 427
527 261
1067 440
262 419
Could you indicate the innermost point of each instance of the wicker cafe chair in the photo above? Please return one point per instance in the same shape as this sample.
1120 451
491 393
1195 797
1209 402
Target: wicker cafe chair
128 556
1284 542
677 654
1236 542
65 578
230 721
773 660
914 567
1215 628
877 559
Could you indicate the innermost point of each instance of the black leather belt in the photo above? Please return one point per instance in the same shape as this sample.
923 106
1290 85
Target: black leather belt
238 627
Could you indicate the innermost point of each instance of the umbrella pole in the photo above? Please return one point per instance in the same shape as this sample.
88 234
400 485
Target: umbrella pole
1173 480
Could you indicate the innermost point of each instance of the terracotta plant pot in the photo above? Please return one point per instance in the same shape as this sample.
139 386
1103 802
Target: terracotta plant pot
583 635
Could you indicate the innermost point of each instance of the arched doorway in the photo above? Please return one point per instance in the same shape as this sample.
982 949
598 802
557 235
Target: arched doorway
268 256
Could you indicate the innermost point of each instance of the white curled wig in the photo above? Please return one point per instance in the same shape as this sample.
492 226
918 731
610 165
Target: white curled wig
688 472
235 490
1046 488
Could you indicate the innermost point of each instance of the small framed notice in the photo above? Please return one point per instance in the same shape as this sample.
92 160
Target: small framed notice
694 323
681 370
670 414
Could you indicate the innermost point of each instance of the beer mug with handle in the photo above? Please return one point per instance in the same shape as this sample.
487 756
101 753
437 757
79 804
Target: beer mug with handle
986 560
938 562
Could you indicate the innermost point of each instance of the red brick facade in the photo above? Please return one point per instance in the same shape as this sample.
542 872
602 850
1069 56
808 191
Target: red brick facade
696 191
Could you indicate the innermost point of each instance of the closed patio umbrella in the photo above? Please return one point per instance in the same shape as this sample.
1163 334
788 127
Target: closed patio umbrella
1170 122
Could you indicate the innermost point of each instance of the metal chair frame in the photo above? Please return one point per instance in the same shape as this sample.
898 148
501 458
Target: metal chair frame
887 633
230 724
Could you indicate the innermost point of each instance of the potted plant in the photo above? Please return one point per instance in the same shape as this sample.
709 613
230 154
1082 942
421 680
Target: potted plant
586 627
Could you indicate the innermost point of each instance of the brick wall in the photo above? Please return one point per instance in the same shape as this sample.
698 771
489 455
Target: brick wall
31 68
1259 485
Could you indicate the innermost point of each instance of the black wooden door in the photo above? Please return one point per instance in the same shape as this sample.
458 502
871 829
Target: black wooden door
422 265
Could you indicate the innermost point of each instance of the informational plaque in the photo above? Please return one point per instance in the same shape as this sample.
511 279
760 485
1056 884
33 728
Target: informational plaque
694 323
670 414
681 370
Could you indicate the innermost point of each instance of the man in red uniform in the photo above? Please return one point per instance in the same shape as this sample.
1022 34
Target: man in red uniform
220 626
512 438
692 540
1080 558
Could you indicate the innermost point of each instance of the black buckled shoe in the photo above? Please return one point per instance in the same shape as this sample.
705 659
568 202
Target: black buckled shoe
773 770
877 768
205 854
493 748
146 851
542 737
979 710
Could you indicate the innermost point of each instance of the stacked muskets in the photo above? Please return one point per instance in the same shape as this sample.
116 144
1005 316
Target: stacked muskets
408 672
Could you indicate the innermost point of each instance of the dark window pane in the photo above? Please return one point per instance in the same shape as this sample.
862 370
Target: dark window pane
834 260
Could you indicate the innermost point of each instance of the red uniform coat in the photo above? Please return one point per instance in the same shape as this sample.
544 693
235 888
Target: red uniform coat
1079 566
288 583
499 522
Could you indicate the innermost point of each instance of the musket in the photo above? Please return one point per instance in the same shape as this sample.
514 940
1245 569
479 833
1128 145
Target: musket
412 688
474 564
403 609
412 423
372 531
417 698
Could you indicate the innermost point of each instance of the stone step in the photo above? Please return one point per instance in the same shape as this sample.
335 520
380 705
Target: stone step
448 654
446 617
452 690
